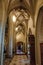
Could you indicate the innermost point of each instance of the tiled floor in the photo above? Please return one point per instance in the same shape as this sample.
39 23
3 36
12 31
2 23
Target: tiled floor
19 60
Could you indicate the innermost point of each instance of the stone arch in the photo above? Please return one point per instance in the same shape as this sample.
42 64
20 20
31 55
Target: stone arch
37 12
39 35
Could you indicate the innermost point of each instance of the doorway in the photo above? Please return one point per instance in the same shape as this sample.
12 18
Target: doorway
20 48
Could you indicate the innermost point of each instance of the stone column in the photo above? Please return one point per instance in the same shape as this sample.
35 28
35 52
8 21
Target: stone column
2 35
2 31
11 39
0 42
14 41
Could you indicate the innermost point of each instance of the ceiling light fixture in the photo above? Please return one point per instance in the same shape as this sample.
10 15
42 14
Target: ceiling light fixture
14 18
16 29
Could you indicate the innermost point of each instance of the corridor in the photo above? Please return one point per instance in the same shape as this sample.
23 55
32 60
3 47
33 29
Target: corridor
21 32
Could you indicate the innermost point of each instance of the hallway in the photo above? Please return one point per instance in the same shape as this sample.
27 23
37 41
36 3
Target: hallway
21 32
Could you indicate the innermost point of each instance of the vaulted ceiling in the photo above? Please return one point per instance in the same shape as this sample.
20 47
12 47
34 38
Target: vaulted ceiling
30 5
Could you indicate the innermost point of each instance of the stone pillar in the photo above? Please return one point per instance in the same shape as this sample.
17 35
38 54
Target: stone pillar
3 18
0 43
2 34
1 13
14 46
11 39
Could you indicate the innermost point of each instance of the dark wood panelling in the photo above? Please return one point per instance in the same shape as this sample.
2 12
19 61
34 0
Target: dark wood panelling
41 50
32 49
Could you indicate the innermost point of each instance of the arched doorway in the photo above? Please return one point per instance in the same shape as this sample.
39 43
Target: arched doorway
39 37
20 48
